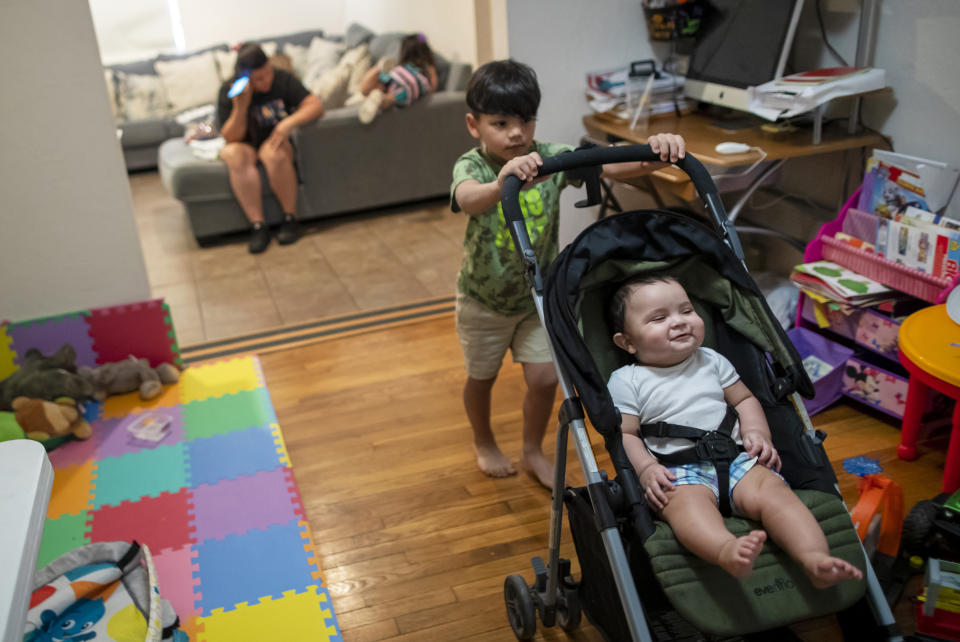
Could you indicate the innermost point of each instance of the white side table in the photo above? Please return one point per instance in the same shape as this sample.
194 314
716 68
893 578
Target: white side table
26 478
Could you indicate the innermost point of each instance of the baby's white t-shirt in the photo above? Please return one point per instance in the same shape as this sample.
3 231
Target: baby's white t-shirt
689 393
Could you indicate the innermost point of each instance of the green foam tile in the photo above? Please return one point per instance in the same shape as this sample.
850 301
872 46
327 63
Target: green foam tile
220 415
61 535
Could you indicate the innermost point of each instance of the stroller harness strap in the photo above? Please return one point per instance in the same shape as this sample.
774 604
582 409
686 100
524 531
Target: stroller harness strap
716 446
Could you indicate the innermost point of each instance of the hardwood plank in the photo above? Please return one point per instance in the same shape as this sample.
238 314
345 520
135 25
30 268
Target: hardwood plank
413 540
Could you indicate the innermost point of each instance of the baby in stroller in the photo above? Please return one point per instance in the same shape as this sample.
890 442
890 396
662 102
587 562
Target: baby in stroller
677 381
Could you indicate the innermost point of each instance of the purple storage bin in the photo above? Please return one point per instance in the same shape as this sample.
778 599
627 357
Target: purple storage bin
827 359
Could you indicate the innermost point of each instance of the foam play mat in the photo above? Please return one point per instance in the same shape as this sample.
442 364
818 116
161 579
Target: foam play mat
215 500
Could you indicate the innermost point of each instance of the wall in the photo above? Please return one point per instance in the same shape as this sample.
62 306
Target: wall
449 26
69 239
562 45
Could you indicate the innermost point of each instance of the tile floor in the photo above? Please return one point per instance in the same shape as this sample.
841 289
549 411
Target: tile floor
348 264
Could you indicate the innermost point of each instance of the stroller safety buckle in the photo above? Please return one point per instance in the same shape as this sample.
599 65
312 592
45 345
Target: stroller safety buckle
717 446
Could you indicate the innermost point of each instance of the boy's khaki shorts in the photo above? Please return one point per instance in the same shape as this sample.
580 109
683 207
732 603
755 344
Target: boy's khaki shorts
486 335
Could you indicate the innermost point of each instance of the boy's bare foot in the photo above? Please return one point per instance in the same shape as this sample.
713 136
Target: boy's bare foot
493 462
537 465
737 555
825 571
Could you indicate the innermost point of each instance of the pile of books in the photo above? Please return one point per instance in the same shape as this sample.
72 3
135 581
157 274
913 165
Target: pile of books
805 91
616 93
839 287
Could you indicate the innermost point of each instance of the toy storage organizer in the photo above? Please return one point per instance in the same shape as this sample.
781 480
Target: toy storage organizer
872 376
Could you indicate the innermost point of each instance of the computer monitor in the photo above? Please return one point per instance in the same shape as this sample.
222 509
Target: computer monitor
742 43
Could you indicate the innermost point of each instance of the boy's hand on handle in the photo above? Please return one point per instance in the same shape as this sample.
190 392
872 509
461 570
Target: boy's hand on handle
656 480
671 147
523 167
758 445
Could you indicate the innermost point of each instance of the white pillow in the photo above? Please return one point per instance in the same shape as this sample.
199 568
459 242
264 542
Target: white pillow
189 81
111 90
322 55
331 86
298 59
357 73
226 63
140 97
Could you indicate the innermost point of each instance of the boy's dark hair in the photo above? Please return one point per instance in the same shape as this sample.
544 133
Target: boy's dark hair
504 87
415 51
618 302
249 57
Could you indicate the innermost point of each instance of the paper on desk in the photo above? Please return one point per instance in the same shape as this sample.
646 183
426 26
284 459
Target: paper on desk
779 99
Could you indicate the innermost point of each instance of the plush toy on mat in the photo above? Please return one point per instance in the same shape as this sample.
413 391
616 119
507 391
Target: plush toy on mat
41 420
41 377
129 375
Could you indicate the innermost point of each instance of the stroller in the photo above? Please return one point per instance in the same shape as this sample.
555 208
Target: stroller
636 580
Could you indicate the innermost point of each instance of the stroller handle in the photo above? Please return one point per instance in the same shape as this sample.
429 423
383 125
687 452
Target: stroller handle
597 156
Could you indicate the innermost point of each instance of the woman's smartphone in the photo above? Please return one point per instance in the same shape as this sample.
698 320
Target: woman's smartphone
238 86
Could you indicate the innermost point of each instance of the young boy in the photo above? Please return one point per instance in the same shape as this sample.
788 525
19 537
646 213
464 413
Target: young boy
677 381
495 309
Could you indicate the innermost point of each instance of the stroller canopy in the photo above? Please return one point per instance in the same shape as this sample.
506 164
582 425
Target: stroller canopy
584 276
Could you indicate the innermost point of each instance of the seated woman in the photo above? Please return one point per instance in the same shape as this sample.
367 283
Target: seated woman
401 83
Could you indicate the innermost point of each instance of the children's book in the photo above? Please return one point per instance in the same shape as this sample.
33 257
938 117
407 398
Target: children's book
839 284
890 191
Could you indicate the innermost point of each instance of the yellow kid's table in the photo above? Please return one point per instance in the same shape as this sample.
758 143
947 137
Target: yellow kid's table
930 351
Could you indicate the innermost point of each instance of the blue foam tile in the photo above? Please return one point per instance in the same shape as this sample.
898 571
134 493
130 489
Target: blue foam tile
255 564
139 474
227 456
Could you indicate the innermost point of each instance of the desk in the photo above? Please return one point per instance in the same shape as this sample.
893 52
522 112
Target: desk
701 137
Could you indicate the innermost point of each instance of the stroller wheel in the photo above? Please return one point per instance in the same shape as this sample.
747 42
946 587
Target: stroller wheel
520 609
569 613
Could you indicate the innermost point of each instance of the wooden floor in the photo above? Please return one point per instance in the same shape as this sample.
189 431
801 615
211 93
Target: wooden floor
414 541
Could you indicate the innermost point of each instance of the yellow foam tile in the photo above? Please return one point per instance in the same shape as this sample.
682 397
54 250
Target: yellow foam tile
7 355
123 405
219 378
72 491
294 616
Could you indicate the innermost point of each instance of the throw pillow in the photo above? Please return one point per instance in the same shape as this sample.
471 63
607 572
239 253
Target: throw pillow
111 90
386 45
140 97
269 48
322 56
226 63
331 86
191 81
357 35
298 59
281 61
357 73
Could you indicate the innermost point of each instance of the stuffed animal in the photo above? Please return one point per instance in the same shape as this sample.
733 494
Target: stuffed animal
129 375
42 420
41 377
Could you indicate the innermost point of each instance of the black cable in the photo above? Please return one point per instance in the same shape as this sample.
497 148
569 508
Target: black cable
823 32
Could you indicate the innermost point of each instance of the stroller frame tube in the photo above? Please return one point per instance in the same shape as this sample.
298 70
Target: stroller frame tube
613 545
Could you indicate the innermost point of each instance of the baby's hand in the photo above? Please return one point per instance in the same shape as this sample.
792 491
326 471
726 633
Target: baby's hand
523 167
671 147
759 446
656 480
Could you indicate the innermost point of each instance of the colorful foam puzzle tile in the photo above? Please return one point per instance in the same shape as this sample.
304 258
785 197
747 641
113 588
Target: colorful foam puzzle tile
114 438
303 615
140 474
8 358
220 378
175 578
235 411
75 452
235 569
118 329
61 535
48 334
123 405
241 452
72 490
235 506
161 522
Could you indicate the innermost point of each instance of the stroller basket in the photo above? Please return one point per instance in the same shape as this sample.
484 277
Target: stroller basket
633 572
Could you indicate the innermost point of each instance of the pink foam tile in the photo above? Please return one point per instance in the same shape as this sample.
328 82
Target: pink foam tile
75 451
175 579
235 506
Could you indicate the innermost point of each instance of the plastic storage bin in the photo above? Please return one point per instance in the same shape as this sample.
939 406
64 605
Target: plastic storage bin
824 361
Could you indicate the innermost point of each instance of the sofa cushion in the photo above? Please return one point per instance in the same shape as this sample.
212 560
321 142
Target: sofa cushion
190 81
321 56
386 45
226 63
300 38
140 97
357 35
110 82
140 133
138 67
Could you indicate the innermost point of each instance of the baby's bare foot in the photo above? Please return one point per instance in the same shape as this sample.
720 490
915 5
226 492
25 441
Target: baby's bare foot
493 462
737 555
537 465
825 571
